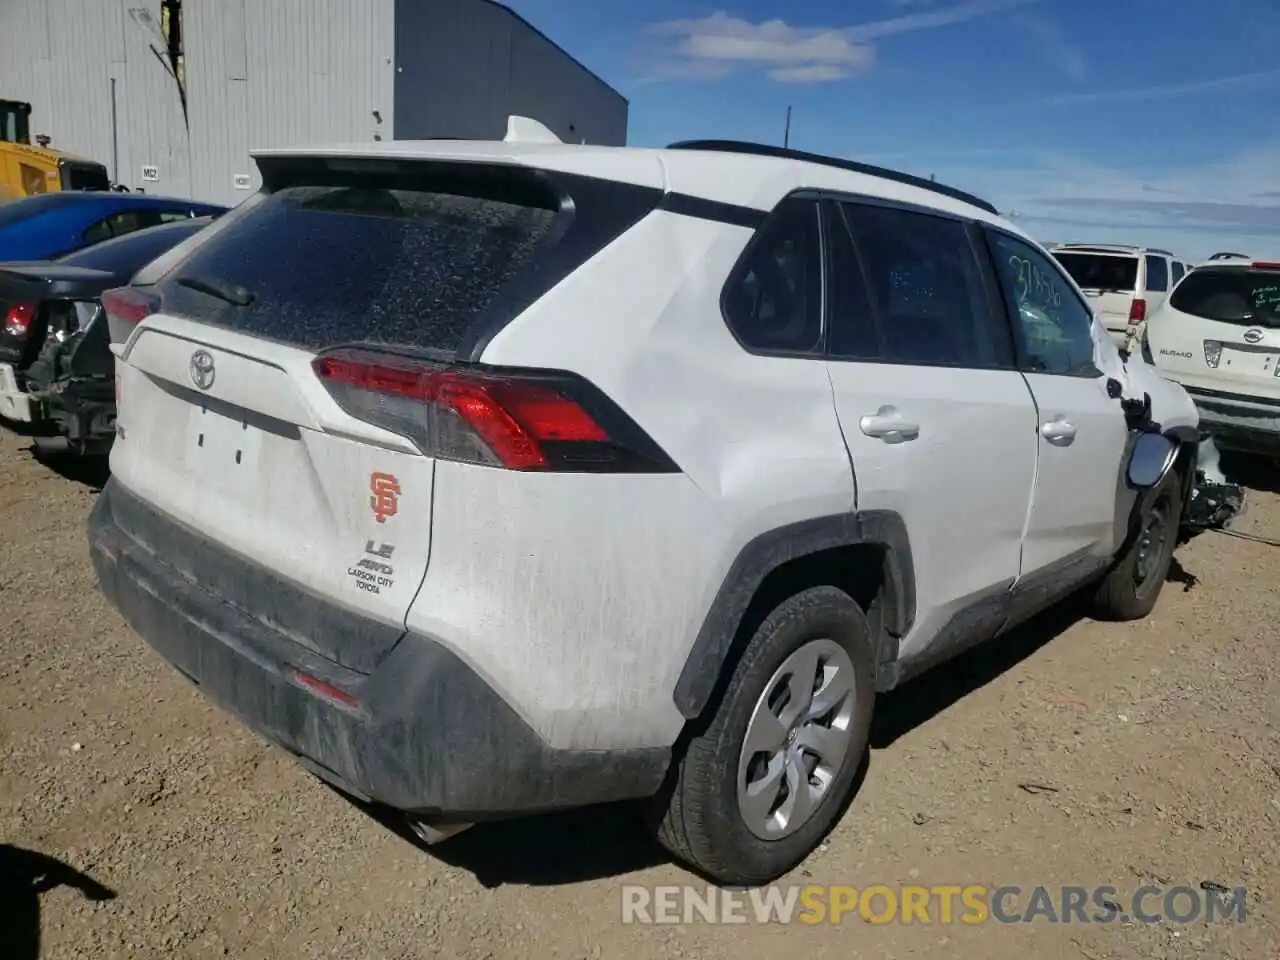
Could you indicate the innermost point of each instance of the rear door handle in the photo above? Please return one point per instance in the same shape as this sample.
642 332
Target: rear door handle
888 425
1059 432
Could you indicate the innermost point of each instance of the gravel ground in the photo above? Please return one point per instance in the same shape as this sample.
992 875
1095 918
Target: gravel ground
174 832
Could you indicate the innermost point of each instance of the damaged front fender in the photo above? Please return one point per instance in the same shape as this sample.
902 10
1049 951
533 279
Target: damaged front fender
1210 501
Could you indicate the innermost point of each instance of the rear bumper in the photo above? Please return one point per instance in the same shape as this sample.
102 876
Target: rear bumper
1238 423
424 734
15 404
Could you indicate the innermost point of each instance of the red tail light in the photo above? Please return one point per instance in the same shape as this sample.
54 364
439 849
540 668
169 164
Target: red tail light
125 308
521 420
1266 264
18 320
1137 310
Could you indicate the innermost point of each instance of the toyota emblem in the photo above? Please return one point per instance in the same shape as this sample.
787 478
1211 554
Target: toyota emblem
1252 336
202 372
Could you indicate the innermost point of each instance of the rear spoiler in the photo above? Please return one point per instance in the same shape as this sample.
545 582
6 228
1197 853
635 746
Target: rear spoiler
52 281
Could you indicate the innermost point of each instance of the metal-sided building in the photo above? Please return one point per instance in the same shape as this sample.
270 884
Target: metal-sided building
172 95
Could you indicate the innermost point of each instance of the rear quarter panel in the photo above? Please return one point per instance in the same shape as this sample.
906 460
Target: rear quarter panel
594 587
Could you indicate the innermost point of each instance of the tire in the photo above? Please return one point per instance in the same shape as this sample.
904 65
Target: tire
700 818
1132 587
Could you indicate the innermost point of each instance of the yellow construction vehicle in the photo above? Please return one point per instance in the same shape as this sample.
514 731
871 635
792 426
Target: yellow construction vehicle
26 170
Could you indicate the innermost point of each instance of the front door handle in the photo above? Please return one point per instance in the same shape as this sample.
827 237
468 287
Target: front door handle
888 425
1059 432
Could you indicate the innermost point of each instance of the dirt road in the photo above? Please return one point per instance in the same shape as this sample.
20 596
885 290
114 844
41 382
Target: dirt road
1158 742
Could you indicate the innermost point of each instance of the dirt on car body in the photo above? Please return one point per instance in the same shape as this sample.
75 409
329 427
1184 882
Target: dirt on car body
139 821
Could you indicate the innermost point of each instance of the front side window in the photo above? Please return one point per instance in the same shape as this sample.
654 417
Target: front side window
773 299
1055 325
117 225
98 232
926 288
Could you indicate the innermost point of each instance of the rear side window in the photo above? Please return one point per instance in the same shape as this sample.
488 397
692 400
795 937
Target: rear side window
773 298
1178 271
1104 272
409 258
1157 275
1239 296
925 285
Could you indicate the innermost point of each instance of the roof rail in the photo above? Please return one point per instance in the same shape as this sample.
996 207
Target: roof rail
1229 256
783 153
1100 246
1115 247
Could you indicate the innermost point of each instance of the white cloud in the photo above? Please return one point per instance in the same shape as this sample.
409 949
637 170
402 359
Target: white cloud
717 45
1193 210
929 19
1054 43
814 72
1257 79
720 44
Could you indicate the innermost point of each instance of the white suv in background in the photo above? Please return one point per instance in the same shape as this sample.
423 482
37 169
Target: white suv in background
493 478
1219 336
1125 284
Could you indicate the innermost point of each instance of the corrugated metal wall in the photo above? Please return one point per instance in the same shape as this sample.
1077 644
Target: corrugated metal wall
278 73
463 66
264 73
61 56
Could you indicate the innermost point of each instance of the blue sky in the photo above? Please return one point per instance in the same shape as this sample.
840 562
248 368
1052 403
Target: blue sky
1142 121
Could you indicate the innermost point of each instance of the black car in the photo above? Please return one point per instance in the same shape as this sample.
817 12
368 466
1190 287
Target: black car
57 373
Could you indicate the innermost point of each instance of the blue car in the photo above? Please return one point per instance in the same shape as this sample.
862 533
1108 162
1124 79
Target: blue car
53 224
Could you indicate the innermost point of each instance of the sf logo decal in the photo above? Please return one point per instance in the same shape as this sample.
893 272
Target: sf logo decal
386 496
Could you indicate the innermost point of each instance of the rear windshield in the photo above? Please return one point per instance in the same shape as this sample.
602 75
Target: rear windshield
1230 295
353 262
1100 271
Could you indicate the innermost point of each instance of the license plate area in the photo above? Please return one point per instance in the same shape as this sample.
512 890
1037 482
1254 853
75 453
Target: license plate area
222 449
1257 363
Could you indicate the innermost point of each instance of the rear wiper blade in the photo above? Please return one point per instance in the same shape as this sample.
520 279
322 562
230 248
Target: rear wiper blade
231 293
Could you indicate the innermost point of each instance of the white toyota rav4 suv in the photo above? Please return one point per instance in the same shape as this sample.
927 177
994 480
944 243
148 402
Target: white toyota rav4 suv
489 478
1219 336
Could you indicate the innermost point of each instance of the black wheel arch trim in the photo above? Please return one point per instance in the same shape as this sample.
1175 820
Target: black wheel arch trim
768 552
